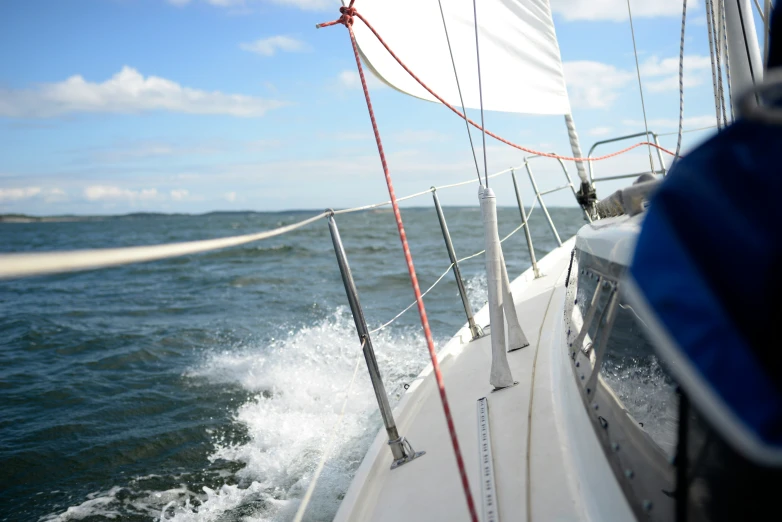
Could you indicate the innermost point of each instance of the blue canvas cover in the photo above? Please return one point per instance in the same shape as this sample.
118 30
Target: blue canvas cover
708 269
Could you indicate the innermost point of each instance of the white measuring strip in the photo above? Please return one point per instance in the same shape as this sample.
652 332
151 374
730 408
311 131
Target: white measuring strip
486 464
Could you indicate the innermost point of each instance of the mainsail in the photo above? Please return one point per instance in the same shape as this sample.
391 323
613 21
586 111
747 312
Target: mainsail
521 67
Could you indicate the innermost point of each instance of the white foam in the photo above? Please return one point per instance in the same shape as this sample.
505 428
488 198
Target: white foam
299 384
302 380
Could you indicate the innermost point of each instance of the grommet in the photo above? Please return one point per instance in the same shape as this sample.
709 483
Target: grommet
629 473
647 505
615 446
578 364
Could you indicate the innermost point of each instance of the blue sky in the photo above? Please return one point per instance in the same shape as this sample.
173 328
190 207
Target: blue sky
113 106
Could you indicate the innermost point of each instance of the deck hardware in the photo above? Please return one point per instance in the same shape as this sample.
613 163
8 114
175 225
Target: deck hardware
629 473
615 446
401 449
595 406
527 233
647 505
648 133
475 330
486 464
603 422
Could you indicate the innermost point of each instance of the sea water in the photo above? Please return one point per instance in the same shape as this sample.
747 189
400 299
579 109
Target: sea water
205 387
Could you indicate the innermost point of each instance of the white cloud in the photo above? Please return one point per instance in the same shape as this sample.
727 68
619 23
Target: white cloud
269 46
55 195
17 193
230 196
597 85
179 194
349 79
128 91
594 84
49 195
667 70
108 192
599 131
616 10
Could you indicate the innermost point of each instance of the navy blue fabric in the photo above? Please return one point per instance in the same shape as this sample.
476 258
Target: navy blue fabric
708 261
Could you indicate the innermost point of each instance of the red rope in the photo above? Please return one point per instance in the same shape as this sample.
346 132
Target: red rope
347 20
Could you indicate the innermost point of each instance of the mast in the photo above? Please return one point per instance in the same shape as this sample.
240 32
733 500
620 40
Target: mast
746 63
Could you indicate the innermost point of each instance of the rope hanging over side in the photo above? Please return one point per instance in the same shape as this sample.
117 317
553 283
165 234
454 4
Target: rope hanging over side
347 20
471 122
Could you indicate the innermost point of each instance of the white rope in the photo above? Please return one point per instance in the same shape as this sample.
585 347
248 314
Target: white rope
681 82
15 265
384 203
400 314
305 501
23 265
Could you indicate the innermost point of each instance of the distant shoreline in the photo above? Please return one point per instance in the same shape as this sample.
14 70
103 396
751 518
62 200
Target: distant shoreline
25 218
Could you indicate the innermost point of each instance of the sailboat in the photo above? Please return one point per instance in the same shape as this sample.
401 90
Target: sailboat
573 394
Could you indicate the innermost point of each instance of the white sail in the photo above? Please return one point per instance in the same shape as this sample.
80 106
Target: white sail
521 67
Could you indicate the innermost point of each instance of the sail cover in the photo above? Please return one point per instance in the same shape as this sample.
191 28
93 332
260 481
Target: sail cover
521 68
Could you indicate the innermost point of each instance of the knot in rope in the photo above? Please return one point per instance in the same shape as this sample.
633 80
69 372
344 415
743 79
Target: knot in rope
346 19
347 15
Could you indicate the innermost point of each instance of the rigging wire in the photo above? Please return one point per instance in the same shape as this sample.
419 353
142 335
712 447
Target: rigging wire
640 87
681 83
727 56
480 93
478 126
459 88
711 29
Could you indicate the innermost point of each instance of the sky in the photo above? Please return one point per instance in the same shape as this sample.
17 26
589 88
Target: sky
116 106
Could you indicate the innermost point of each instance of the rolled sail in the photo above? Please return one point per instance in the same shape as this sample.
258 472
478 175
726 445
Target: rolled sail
521 67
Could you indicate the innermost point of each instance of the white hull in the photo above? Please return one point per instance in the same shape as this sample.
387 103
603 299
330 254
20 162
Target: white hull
548 463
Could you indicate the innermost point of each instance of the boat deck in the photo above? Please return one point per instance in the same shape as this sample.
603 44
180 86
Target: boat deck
536 484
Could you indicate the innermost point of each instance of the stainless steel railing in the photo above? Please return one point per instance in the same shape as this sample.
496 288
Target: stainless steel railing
662 171
14 265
